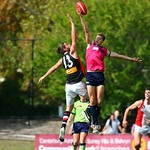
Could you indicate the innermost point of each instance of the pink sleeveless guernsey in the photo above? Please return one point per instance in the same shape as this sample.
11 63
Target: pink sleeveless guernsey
95 57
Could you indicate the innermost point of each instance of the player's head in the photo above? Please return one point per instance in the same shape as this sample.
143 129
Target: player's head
100 38
82 99
147 93
62 48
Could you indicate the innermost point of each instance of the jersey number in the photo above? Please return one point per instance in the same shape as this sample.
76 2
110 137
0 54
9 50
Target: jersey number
67 62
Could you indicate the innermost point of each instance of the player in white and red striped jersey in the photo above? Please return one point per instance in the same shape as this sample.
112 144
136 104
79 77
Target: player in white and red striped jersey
142 123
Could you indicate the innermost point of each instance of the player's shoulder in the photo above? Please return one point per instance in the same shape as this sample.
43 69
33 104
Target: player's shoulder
90 44
138 102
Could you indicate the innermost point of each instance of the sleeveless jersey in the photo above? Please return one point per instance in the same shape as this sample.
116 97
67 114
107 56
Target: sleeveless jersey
143 114
73 68
95 57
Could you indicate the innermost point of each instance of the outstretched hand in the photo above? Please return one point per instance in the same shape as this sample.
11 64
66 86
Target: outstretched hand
78 12
41 79
137 59
69 17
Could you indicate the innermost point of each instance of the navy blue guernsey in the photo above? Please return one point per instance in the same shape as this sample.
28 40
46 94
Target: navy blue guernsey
73 68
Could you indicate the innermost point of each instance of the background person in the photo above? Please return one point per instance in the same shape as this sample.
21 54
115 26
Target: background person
116 113
142 125
112 125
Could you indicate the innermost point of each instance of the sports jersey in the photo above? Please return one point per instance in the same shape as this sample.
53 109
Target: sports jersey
78 108
95 57
143 114
73 68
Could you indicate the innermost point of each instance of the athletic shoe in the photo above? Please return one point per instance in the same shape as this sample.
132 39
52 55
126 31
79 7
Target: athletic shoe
96 129
62 134
92 126
86 116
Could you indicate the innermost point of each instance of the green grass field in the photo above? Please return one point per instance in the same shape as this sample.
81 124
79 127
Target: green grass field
16 145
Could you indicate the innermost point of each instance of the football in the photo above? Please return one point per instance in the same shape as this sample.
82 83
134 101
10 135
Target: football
80 6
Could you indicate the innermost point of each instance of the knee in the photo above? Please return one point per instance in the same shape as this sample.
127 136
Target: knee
99 101
93 101
99 104
75 143
69 108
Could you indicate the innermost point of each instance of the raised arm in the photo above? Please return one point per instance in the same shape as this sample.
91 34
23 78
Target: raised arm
73 35
131 107
51 70
88 37
116 55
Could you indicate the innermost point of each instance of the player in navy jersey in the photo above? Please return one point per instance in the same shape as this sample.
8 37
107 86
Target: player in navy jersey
74 85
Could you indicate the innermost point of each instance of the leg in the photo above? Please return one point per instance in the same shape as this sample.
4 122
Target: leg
100 92
92 94
76 137
92 97
66 115
137 139
82 140
64 122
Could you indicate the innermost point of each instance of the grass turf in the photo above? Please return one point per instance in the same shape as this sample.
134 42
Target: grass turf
16 145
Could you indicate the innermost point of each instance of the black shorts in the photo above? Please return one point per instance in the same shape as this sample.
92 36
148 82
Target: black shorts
79 127
95 78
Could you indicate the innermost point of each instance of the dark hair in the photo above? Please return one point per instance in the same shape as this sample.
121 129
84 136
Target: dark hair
147 89
60 49
110 123
102 35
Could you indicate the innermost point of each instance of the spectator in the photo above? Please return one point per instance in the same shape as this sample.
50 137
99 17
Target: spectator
116 113
112 125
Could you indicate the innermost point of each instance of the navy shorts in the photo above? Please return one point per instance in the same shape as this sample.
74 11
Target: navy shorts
95 78
79 127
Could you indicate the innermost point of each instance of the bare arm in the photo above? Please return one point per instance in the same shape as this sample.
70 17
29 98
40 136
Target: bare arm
131 107
51 70
116 55
73 36
148 121
120 129
88 37
70 119
105 127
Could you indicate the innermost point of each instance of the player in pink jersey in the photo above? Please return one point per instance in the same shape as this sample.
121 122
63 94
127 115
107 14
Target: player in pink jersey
142 123
95 54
